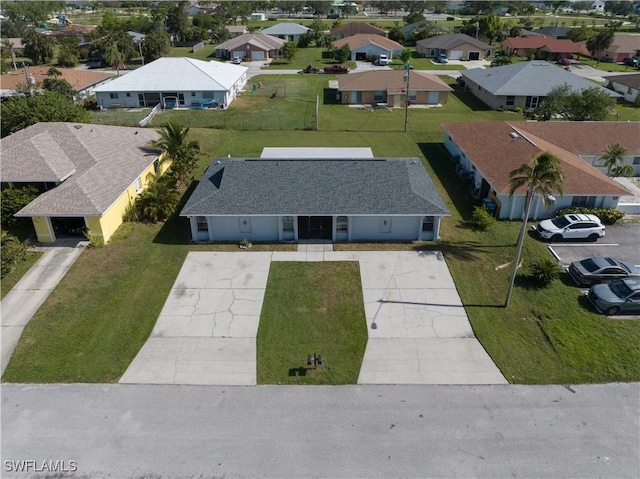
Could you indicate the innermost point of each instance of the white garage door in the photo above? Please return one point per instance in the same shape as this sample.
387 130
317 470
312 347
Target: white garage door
455 55
257 56
239 54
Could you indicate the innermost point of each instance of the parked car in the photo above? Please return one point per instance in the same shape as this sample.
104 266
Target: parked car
601 270
336 69
383 60
620 296
565 62
631 62
572 226
442 58
236 60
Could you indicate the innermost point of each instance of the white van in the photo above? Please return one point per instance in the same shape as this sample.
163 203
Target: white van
383 60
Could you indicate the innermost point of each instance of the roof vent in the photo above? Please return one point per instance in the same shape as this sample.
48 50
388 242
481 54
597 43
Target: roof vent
217 162
514 135
412 162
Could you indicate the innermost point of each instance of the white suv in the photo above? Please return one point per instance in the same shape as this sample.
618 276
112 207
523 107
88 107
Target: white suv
572 226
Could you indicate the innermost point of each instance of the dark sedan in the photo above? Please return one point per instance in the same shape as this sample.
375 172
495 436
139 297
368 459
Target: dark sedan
336 69
601 270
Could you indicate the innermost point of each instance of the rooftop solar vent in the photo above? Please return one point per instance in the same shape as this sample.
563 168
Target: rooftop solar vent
514 135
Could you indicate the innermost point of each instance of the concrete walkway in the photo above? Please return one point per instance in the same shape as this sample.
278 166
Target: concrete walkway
418 329
21 303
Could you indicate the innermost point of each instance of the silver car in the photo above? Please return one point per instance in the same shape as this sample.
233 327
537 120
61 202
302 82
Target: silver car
601 270
620 296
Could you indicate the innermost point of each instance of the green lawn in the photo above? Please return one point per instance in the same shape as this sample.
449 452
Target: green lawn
311 308
10 280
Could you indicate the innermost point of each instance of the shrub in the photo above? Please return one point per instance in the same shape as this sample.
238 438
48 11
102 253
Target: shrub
544 271
608 216
13 200
12 252
481 219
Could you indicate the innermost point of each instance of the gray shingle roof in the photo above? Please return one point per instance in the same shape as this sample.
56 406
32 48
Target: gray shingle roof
285 29
104 160
396 186
452 40
535 78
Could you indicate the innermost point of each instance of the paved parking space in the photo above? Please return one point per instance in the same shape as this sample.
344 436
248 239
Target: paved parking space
418 329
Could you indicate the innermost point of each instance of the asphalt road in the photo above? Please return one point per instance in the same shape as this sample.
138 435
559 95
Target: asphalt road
352 431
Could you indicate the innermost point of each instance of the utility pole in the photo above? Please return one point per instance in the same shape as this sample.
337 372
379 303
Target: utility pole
407 69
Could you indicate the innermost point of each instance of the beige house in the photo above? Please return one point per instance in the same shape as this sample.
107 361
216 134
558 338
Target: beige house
356 28
457 46
389 87
251 47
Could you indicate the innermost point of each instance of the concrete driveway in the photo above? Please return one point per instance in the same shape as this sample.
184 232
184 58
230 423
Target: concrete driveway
418 329
206 331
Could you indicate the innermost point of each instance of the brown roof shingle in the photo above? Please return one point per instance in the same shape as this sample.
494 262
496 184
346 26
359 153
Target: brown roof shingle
392 81
355 28
495 152
78 79
357 41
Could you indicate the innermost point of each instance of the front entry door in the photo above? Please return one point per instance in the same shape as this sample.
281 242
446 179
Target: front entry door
315 227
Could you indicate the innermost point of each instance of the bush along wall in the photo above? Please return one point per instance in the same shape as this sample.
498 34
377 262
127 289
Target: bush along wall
608 216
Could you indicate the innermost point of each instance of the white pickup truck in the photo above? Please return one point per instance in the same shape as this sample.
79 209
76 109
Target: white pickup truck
383 60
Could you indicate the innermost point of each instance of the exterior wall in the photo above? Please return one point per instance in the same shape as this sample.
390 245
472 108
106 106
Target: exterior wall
465 48
629 93
596 162
44 229
482 94
227 228
422 98
368 228
513 208
371 50
247 50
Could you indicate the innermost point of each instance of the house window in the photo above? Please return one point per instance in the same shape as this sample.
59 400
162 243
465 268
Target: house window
207 95
384 225
583 201
377 96
245 225
433 53
412 95
193 93
138 184
342 223
287 224
427 224
636 160
202 225
128 95
114 96
511 100
532 102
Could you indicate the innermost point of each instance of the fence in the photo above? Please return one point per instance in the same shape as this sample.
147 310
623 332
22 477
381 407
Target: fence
147 119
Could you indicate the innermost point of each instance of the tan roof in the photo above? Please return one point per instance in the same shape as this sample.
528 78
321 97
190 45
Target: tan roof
491 147
552 45
392 81
78 79
97 163
73 30
362 39
625 44
355 28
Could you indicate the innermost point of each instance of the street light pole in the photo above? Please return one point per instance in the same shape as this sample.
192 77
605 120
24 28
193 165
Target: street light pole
406 100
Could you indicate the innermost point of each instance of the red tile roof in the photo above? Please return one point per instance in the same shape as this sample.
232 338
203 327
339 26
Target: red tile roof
553 45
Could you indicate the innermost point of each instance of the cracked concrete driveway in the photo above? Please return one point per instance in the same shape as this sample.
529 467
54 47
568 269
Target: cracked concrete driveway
418 329
206 331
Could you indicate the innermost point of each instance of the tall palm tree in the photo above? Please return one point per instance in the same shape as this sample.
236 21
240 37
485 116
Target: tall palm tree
181 153
613 159
114 57
8 45
541 178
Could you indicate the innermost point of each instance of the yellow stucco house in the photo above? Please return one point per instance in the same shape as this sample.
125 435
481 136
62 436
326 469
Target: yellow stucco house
88 175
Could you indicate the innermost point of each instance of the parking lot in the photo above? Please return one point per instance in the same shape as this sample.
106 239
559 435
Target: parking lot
621 241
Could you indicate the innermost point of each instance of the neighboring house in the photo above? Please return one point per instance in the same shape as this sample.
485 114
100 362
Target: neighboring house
554 31
89 175
627 85
180 80
409 30
364 46
457 46
486 152
82 81
237 30
390 87
623 46
331 198
81 32
251 46
522 84
527 33
355 28
544 48
287 31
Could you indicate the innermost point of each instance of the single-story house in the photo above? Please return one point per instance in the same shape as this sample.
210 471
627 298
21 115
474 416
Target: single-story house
334 198
366 45
486 152
251 46
554 31
522 84
81 32
457 46
621 47
287 31
389 87
545 48
237 30
627 85
88 175
355 28
409 30
82 81
179 81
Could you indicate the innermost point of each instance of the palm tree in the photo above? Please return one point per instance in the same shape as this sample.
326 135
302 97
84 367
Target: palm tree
613 159
8 44
158 202
114 57
182 154
541 178
599 43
